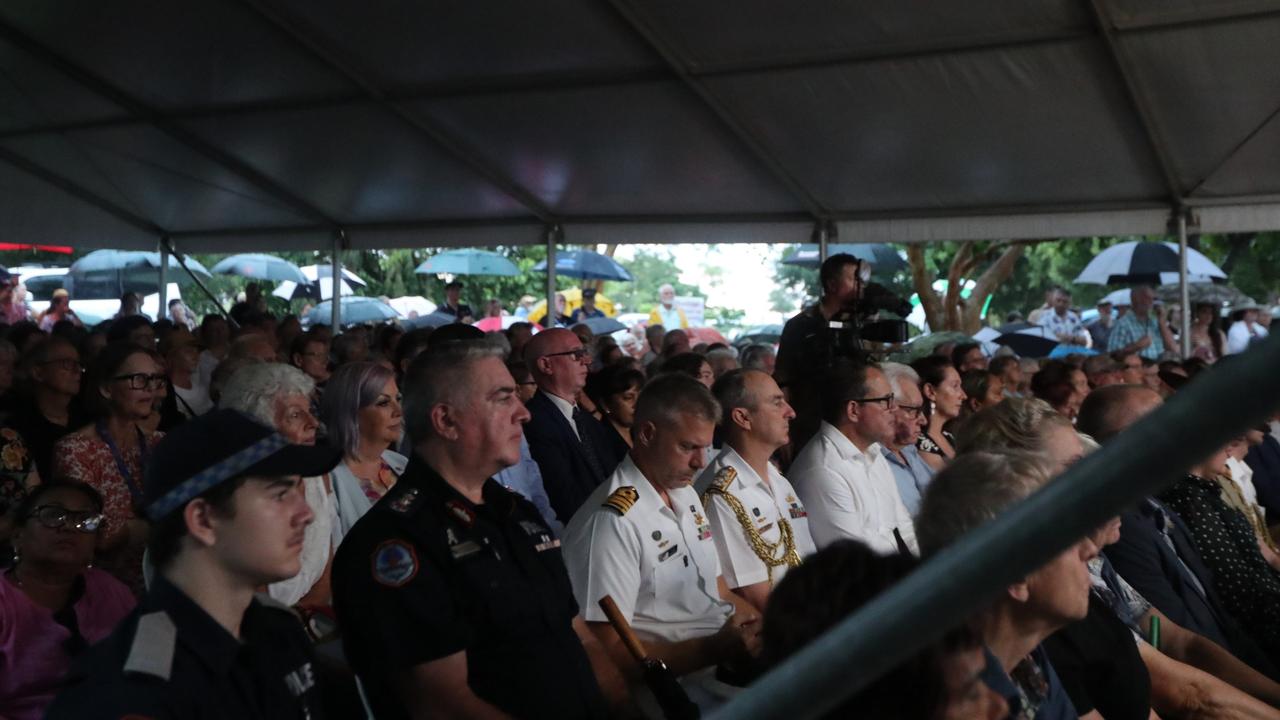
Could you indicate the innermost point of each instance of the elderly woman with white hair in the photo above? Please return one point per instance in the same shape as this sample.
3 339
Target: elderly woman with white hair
361 411
279 396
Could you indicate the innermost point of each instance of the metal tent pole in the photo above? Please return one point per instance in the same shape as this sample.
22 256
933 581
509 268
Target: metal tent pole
821 235
1184 292
167 243
552 237
335 298
950 587
163 276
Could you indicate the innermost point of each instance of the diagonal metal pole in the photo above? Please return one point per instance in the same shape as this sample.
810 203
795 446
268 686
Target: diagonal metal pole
949 588
167 243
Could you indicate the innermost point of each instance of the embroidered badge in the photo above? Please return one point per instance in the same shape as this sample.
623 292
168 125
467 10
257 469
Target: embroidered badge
464 549
463 513
797 510
406 501
621 500
394 563
551 544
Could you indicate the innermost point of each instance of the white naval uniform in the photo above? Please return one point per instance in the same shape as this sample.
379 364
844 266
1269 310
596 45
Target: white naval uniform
659 565
766 504
851 494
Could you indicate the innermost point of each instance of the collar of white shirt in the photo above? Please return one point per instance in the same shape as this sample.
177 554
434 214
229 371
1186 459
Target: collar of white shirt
565 407
845 447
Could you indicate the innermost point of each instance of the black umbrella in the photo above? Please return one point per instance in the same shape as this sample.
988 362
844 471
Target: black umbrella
1031 341
603 325
885 258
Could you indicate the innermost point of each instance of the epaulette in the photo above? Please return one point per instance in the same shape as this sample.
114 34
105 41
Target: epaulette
621 500
724 478
154 641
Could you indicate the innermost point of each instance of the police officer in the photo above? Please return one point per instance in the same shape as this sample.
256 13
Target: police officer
451 592
643 539
224 496
760 527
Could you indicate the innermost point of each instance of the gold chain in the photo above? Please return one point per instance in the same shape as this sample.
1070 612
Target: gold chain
766 551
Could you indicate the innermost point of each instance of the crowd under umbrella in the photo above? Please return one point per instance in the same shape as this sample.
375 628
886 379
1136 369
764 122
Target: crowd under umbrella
1027 340
121 271
587 265
468 262
257 266
1150 263
355 311
884 258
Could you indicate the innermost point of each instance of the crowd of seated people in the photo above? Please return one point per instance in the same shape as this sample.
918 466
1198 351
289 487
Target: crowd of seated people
486 491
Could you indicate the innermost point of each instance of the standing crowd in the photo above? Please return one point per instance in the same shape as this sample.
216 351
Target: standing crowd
256 521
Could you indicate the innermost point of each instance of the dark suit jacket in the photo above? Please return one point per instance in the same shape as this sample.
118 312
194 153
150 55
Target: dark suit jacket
1265 461
1145 561
566 473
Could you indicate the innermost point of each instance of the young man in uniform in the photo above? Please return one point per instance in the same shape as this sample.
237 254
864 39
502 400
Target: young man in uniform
224 496
451 592
642 538
760 527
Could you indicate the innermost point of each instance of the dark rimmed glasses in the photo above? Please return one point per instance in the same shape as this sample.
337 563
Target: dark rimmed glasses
579 354
889 402
911 411
143 381
56 516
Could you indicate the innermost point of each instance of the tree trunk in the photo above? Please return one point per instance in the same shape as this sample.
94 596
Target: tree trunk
986 284
922 279
950 311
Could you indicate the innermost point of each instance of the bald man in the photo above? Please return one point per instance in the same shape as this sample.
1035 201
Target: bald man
574 451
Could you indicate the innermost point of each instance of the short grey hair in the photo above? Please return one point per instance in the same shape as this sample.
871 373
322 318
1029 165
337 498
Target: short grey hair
224 371
1015 424
352 388
972 490
441 374
897 374
254 388
752 356
670 395
730 390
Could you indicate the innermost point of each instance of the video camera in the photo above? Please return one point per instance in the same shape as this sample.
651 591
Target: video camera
852 324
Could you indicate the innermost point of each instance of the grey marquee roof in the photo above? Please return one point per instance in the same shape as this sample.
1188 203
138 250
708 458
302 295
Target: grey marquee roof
231 125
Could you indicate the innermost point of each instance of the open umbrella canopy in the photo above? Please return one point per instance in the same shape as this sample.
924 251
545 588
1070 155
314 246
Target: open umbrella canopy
1027 340
316 273
925 345
884 258
355 311
468 262
115 272
412 306
1145 262
572 301
496 324
587 265
603 325
1222 296
318 290
261 267
430 320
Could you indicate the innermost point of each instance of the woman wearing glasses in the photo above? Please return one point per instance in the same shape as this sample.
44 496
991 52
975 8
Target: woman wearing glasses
111 453
53 604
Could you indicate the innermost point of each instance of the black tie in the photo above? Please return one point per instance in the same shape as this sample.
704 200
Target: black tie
588 451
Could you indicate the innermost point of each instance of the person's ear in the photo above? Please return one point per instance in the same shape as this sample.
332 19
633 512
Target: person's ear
851 411
930 392
201 524
1019 592
443 422
643 433
741 417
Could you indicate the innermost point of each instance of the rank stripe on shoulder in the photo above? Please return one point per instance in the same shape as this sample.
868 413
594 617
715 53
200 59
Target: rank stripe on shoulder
724 478
154 641
622 499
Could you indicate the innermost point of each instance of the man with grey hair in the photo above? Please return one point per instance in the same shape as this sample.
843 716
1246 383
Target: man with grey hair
279 396
722 360
642 539
451 591
910 472
666 313
759 525
759 357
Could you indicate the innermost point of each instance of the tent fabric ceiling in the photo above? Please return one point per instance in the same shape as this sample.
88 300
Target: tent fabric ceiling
274 124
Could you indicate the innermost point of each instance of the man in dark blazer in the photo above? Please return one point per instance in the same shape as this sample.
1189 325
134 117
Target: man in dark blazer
573 450
1156 554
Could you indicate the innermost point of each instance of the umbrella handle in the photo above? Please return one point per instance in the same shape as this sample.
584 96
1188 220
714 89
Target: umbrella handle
623 628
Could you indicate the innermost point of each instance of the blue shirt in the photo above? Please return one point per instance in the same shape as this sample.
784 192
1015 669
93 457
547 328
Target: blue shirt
525 478
912 477
1129 330
581 314
1055 705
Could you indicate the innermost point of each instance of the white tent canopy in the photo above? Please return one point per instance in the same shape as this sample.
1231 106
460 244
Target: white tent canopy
276 124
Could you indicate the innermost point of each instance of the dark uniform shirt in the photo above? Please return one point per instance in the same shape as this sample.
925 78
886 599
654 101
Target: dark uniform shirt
427 574
170 659
803 353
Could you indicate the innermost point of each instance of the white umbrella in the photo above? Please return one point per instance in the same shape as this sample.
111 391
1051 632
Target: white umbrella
409 304
316 273
290 290
1119 297
1145 262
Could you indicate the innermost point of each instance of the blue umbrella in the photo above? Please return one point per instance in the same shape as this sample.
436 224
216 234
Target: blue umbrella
115 272
261 267
468 262
884 257
430 320
355 311
587 265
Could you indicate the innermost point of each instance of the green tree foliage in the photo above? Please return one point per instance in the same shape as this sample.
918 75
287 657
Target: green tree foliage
649 271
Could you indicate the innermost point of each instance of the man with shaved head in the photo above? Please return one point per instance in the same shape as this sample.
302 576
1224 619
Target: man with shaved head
1156 553
573 450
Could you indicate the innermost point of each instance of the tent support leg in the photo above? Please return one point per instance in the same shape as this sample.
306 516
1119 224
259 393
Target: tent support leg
182 260
162 275
335 299
822 236
1184 292
552 236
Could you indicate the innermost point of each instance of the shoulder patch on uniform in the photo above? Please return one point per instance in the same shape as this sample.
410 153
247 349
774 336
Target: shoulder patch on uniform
724 478
622 499
394 563
154 642
406 502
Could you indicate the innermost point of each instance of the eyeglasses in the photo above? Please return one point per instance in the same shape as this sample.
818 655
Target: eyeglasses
143 381
67 364
911 411
579 354
56 516
888 401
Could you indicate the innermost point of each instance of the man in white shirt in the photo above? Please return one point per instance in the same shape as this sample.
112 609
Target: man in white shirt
666 313
1064 324
642 539
759 526
841 475
1246 328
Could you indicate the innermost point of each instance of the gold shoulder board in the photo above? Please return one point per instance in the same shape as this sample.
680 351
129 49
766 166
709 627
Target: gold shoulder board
622 499
724 478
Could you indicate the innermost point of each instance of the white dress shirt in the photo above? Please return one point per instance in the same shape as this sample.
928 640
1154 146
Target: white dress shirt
565 407
850 493
659 564
768 505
